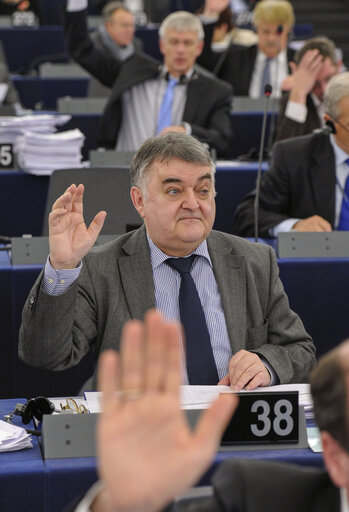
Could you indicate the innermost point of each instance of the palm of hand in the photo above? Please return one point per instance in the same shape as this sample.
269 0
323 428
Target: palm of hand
159 438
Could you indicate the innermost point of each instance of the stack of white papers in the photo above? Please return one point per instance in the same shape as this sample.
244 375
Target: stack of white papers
39 153
13 438
13 126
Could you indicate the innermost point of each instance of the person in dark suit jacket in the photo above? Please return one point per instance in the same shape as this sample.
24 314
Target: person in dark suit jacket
254 336
301 109
243 66
201 105
304 187
148 408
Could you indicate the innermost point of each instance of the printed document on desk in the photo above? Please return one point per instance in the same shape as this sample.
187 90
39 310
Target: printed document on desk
200 397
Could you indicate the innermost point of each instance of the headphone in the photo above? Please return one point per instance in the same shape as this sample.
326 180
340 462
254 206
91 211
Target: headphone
33 408
183 79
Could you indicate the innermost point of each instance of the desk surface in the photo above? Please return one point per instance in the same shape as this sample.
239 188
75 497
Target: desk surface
30 484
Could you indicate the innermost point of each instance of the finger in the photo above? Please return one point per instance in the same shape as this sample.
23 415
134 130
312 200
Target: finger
214 420
57 215
132 356
245 369
156 346
96 225
64 201
225 381
173 373
233 364
108 379
78 196
261 379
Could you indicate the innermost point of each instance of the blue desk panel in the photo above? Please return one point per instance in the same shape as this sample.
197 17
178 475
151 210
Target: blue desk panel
43 93
24 46
22 473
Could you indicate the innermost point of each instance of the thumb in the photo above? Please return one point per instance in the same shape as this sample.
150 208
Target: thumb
96 225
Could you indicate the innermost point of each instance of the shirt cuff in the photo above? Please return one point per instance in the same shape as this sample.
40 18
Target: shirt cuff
86 502
274 379
296 111
283 227
56 282
76 5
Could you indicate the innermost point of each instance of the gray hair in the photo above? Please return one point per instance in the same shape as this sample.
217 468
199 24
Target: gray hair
336 90
326 48
164 148
181 20
109 9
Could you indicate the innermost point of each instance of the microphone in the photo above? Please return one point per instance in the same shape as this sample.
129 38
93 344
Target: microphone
267 93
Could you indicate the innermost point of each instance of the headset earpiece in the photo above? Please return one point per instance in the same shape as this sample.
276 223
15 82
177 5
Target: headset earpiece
34 408
330 125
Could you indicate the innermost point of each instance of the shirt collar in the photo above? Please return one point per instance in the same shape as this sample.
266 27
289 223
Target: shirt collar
281 56
188 75
344 500
339 154
157 256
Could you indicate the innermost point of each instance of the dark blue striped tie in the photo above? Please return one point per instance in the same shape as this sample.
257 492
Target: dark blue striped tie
343 224
201 366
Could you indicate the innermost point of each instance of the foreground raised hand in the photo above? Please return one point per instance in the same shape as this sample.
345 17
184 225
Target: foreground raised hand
70 239
147 452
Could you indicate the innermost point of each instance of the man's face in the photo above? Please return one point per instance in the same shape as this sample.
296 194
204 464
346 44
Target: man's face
271 40
179 207
342 125
121 27
180 50
327 71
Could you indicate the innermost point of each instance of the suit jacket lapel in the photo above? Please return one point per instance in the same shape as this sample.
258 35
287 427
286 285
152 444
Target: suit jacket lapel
323 178
193 101
136 274
229 271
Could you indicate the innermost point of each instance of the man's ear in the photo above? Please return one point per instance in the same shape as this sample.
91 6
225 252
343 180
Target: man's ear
137 200
336 460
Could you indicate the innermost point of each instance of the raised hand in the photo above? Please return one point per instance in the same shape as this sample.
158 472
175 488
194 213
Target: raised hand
215 7
70 239
147 451
305 75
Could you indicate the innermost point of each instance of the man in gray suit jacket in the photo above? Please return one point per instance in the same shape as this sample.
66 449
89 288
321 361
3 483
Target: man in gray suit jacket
255 338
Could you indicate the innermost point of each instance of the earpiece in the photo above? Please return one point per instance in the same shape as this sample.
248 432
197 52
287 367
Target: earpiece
330 127
34 408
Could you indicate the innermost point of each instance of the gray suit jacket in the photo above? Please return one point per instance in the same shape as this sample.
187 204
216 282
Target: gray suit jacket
116 284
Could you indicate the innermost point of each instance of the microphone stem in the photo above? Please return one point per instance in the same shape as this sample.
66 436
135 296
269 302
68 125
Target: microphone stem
259 172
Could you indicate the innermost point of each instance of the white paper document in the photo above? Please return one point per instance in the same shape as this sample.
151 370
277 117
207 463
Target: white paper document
13 438
200 397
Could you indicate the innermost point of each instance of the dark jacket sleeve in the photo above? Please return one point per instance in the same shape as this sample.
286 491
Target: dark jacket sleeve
274 200
98 62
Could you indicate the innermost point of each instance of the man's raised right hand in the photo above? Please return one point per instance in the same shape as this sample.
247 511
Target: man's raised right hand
70 239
